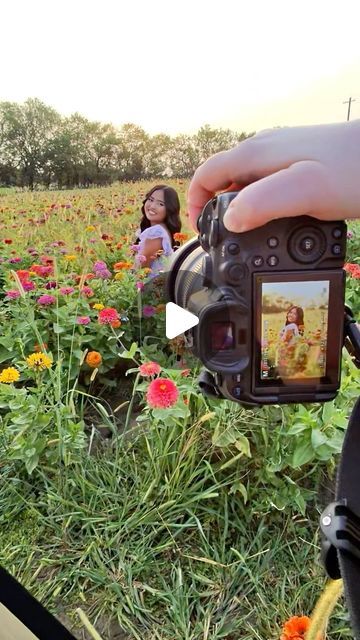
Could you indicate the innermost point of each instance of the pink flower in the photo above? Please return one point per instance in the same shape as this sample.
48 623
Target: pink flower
87 291
139 286
66 291
12 294
162 393
46 299
83 320
148 310
28 285
108 315
149 369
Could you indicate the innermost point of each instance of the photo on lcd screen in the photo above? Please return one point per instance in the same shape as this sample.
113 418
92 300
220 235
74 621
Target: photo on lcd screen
294 329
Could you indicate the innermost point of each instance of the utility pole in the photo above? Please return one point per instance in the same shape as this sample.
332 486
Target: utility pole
349 103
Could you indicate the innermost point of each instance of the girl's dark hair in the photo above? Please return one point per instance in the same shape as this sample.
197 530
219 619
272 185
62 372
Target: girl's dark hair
299 317
172 206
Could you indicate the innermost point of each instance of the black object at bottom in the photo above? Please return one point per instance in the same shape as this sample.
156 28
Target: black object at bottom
342 522
29 611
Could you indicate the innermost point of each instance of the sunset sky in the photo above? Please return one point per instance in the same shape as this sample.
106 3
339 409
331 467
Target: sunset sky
173 66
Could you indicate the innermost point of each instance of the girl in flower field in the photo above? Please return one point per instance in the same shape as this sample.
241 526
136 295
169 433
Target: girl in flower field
159 223
294 324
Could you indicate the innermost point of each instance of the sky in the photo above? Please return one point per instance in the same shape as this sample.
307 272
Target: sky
172 66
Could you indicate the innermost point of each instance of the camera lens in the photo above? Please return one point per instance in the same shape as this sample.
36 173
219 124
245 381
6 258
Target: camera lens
186 274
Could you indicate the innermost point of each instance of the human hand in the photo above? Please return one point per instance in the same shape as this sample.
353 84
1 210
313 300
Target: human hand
284 172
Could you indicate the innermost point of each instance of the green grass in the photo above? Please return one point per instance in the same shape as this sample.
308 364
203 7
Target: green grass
148 534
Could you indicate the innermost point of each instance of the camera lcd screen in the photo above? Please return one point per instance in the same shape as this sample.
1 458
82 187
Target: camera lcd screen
222 336
298 338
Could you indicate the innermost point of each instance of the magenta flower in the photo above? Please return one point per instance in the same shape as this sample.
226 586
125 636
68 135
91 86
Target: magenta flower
148 310
28 285
66 291
14 260
87 291
12 294
139 286
52 284
46 300
83 320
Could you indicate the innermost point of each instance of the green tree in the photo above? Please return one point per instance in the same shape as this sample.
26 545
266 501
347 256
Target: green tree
26 132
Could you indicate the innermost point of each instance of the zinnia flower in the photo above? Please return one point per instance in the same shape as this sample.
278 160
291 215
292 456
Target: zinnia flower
93 359
295 628
180 237
108 315
66 291
162 393
39 361
83 320
149 369
46 300
9 375
12 294
70 257
87 291
98 306
148 310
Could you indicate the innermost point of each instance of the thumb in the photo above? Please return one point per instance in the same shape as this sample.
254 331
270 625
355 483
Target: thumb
301 189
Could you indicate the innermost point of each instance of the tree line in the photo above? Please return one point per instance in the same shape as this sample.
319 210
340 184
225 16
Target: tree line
39 147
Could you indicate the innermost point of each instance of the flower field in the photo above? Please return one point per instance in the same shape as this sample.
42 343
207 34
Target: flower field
124 492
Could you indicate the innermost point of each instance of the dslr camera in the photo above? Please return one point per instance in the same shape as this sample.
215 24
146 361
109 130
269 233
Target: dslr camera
270 303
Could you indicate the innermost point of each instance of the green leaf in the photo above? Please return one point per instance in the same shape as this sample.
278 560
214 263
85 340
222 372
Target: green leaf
303 453
242 444
318 438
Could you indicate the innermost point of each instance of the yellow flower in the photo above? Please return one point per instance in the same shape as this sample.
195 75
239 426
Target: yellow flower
118 276
90 227
70 257
39 361
98 306
9 375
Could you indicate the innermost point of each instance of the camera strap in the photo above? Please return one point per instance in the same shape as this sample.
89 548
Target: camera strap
340 522
22 616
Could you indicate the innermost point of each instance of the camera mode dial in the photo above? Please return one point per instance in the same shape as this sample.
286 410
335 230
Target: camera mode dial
307 244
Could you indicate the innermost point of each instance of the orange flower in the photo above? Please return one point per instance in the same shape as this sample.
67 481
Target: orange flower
181 237
295 628
93 359
116 324
122 265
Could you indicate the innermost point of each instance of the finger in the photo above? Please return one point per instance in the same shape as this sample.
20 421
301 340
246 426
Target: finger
303 188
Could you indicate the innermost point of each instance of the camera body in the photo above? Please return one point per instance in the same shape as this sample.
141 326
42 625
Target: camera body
270 304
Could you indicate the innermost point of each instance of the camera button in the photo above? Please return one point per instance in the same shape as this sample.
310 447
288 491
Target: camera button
258 261
236 272
233 248
272 261
273 242
236 392
336 249
337 233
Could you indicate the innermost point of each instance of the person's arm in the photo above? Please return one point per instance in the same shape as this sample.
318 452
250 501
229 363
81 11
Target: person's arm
284 172
149 250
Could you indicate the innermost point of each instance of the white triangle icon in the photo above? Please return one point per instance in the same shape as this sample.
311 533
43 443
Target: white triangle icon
178 320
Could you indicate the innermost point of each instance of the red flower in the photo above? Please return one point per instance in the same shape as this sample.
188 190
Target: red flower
162 393
109 315
295 628
149 369
352 269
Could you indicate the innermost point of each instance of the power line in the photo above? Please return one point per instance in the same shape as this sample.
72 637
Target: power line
349 107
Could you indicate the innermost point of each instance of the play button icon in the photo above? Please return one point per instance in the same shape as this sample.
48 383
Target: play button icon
178 320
